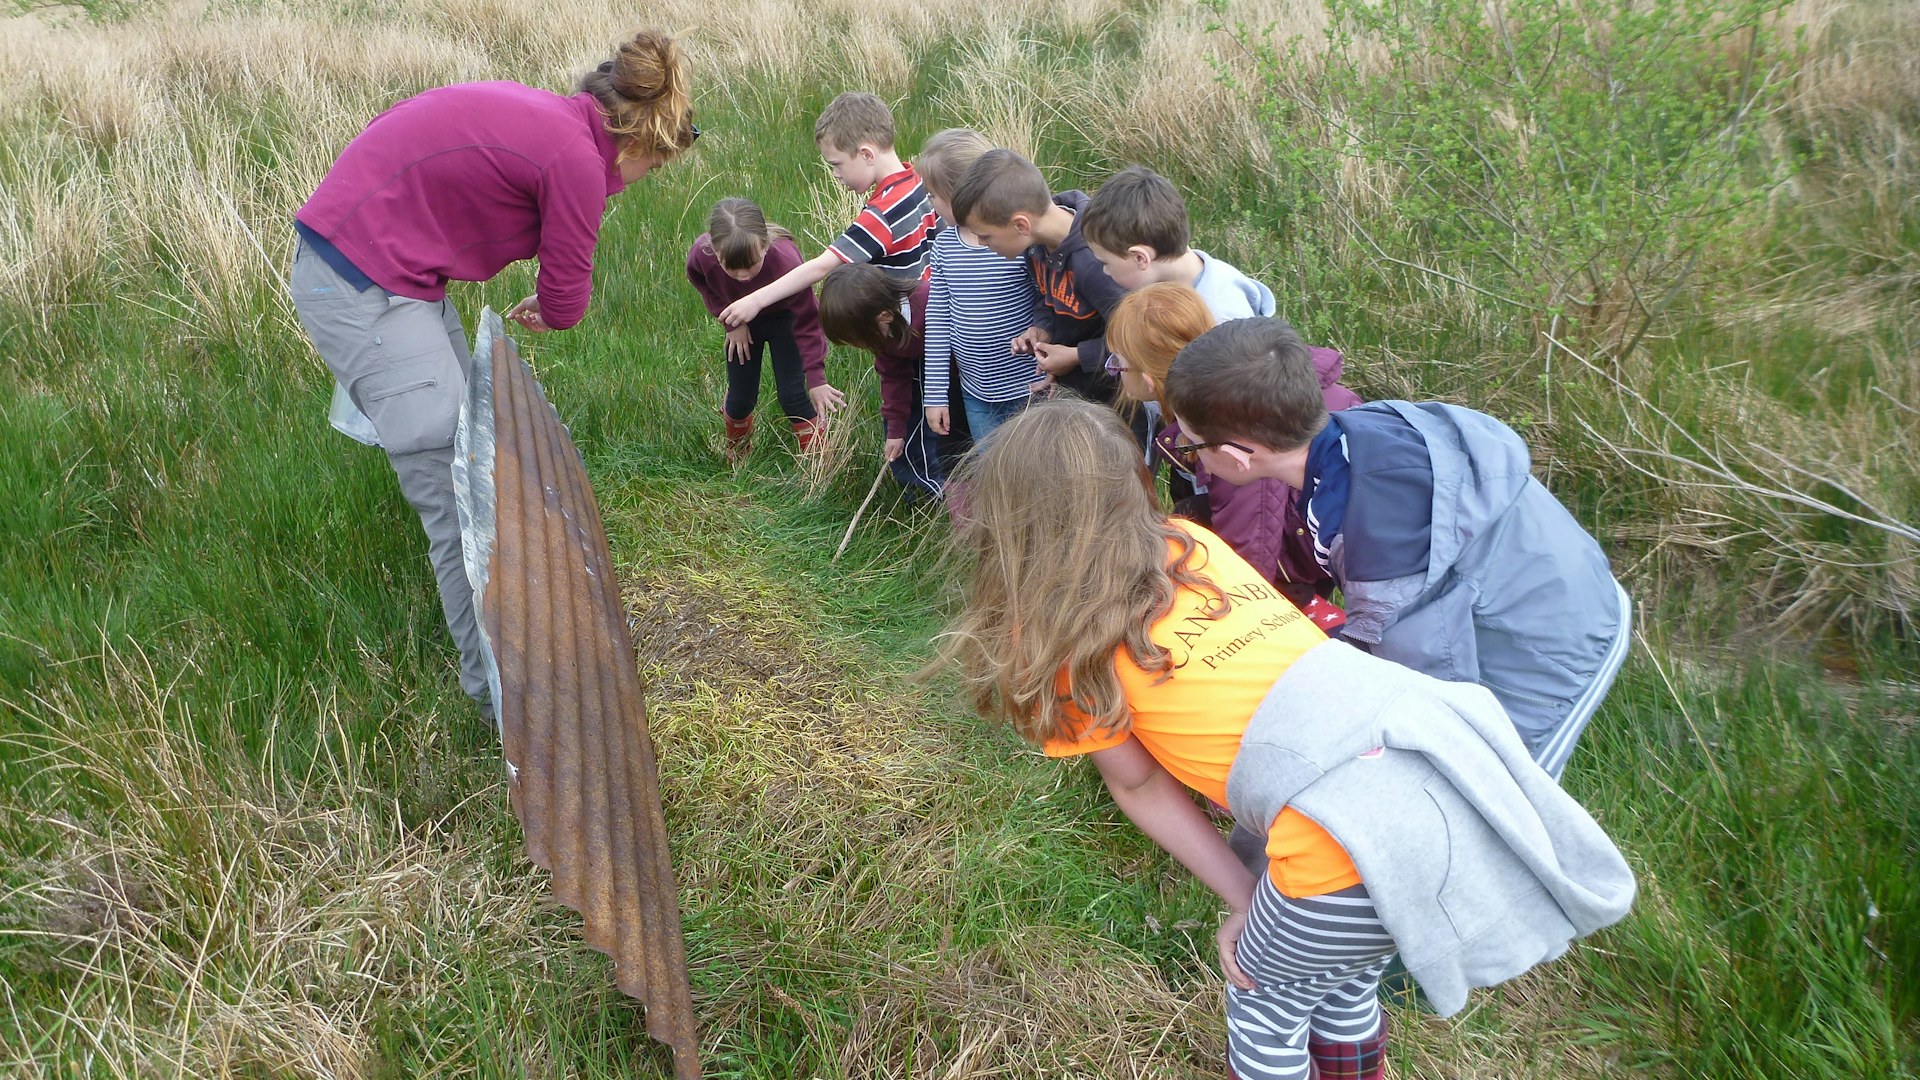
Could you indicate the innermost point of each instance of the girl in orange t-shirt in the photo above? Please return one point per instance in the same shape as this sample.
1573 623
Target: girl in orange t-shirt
1099 626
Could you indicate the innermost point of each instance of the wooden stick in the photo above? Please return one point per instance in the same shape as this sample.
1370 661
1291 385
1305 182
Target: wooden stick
855 523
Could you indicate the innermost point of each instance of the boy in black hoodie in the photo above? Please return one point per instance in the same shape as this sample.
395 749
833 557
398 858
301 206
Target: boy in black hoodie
1005 201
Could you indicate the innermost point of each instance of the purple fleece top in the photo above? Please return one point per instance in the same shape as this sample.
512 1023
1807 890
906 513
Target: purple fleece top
455 183
717 290
1261 520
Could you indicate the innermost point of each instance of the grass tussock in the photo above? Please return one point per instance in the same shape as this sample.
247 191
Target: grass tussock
215 916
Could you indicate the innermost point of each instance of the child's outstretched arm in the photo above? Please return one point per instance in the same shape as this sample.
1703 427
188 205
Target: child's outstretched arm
1163 809
805 276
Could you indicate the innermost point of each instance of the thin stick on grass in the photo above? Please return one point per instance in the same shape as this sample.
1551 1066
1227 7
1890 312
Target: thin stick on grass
858 514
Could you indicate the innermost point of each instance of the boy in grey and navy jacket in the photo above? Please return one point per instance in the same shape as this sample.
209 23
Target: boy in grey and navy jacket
1451 557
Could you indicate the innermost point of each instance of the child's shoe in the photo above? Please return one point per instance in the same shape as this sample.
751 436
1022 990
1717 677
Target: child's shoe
739 437
808 432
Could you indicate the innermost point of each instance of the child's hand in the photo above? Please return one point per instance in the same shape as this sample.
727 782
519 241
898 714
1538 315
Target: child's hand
894 448
1228 939
1056 360
826 400
1023 345
939 419
739 344
741 311
527 314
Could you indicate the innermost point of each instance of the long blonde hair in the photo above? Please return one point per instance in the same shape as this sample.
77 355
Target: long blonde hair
645 94
1070 563
1150 326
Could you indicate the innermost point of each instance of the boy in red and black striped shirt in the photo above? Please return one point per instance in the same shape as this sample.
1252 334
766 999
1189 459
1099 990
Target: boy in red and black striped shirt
895 228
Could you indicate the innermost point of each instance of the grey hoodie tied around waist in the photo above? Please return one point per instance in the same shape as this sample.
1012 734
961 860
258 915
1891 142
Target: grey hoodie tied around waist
1479 865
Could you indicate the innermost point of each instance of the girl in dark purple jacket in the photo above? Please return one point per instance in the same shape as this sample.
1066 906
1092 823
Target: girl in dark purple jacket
865 307
1260 520
738 254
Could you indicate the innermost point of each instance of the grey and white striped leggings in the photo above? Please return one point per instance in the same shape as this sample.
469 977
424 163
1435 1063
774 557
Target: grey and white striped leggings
1317 964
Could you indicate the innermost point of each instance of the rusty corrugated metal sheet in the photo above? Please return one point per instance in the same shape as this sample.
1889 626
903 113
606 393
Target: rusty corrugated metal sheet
572 722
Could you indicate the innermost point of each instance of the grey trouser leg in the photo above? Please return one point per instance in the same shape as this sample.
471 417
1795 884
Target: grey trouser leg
404 362
426 479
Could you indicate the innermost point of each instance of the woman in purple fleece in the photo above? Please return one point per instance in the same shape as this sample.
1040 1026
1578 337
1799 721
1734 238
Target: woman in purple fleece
453 185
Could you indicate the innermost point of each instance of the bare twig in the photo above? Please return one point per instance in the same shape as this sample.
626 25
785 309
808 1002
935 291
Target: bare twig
1897 403
1715 466
857 514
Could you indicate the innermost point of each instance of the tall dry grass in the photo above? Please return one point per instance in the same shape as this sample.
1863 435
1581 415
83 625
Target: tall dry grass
165 97
217 917
165 94
184 138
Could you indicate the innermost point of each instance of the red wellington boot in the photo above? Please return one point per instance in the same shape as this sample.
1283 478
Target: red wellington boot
739 436
808 432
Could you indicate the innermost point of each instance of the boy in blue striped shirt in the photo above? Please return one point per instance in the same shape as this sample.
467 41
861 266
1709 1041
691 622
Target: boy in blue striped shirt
977 303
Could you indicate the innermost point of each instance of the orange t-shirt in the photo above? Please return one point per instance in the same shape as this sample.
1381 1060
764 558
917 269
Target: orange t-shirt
1192 721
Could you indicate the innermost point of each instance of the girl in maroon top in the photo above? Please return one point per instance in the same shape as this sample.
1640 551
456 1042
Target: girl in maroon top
865 307
737 254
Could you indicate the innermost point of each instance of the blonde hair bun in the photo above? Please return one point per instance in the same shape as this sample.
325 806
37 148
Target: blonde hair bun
647 95
648 68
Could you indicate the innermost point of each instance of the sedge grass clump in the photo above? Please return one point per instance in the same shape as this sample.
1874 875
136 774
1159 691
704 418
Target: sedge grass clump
209 915
832 450
1187 85
999 82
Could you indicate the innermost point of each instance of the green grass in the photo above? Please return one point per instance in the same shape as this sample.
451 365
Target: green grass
251 826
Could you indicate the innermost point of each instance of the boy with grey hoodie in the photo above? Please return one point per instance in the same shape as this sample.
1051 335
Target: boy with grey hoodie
1452 559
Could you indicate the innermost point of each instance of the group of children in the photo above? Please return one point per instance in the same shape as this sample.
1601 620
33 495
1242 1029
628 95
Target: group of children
1394 788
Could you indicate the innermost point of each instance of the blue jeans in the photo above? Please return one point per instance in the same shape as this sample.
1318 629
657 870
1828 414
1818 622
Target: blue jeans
984 416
